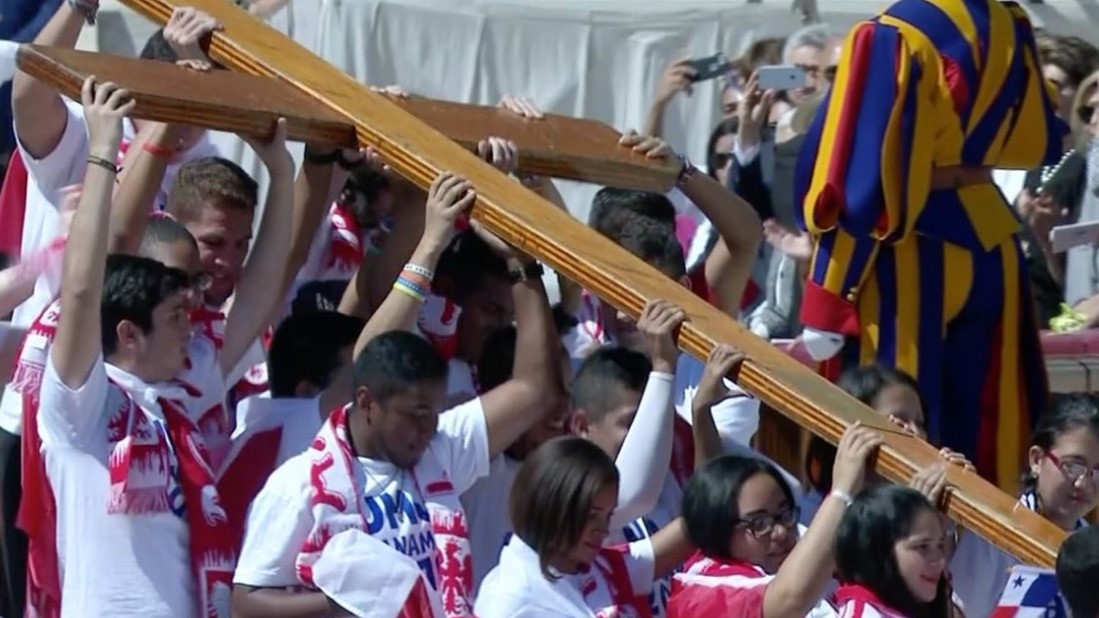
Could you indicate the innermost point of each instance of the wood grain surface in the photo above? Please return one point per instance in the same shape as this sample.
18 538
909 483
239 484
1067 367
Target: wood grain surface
554 146
503 206
220 100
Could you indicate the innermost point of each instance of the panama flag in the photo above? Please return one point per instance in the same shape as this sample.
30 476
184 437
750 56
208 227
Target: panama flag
1031 593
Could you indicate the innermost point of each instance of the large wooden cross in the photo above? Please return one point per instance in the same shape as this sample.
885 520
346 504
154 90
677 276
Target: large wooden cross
276 76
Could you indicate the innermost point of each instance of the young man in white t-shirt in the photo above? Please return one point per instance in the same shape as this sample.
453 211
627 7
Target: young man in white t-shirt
52 143
140 529
309 364
389 466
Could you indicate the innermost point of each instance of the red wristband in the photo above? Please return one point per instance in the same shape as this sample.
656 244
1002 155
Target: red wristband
158 151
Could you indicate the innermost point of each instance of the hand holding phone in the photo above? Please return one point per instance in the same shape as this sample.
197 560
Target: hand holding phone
781 77
709 67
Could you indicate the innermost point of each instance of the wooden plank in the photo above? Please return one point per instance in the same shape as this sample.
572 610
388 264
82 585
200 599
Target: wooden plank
555 146
503 206
220 100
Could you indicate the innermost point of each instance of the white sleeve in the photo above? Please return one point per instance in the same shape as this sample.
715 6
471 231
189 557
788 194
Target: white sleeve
279 521
65 165
641 563
462 444
70 416
646 452
8 50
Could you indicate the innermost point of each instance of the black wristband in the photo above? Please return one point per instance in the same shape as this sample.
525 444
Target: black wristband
529 272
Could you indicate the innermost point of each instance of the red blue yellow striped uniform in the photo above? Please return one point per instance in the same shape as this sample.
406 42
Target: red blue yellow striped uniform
933 282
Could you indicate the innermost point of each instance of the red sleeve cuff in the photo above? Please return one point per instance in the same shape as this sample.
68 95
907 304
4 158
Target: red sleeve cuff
825 311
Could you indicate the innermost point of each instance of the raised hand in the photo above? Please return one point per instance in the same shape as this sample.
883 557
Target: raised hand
931 482
391 91
752 111
724 360
657 325
185 30
521 106
955 458
448 199
501 153
794 244
272 151
853 454
651 147
677 77
105 105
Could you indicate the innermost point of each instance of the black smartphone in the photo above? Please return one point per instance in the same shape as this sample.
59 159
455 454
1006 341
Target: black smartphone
709 67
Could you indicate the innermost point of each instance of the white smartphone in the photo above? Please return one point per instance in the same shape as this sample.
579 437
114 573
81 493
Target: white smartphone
1064 237
781 77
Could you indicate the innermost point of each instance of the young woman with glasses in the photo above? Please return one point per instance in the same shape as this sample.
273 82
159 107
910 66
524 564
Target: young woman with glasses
751 560
1061 483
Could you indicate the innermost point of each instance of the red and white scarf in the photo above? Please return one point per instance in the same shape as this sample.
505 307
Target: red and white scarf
858 601
337 505
711 587
140 469
345 243
438 322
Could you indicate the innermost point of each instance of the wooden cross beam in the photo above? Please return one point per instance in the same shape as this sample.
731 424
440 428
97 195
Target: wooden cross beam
248 105
419 153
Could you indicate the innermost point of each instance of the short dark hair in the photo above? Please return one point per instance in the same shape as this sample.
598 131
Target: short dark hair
612 207
395 361
655 244
553 494
878 518
465 263
210 181
132 288
710 511
1078 572
1067 412
603 374
1073 55
306 348
864 383
319 295
497 361
162 230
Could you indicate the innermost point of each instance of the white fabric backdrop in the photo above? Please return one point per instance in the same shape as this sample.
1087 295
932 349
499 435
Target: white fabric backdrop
598 59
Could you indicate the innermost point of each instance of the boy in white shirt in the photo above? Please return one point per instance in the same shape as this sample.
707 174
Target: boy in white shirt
121 441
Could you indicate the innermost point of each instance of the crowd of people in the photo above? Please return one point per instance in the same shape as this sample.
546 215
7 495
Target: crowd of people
365 403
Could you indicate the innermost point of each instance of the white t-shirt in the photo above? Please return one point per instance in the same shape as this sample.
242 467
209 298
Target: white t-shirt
111 565
298 417
46 177
281 518
518 589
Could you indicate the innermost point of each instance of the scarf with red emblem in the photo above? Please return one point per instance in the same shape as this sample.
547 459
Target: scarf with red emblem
337 506
140 471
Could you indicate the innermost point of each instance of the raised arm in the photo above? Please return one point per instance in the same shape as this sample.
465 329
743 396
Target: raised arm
258 294
78 341
800 581
646 452
449 197
39 113
535 385
735 220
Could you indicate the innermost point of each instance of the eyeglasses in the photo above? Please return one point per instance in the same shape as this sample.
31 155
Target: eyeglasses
1074 470
762 525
